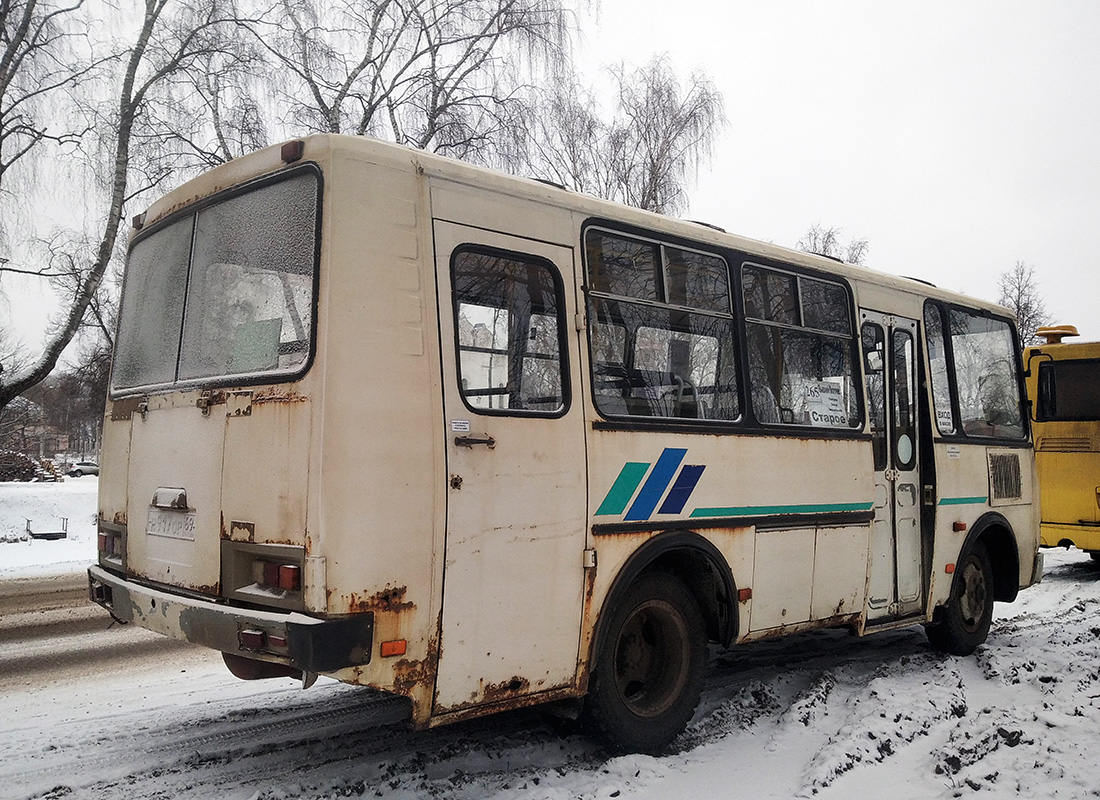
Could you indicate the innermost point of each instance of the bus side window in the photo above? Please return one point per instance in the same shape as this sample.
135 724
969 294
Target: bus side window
801 349
1069 390
508 316
661 331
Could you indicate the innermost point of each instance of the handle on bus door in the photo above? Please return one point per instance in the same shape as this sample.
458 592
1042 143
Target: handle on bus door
470 441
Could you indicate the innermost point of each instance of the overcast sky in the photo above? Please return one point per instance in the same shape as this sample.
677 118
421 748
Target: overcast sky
956 137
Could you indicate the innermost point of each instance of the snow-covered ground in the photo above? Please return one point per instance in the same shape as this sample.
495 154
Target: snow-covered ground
45 505
822 715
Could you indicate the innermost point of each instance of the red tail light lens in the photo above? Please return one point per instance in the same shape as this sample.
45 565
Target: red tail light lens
110 544
251 639
290 577
270 575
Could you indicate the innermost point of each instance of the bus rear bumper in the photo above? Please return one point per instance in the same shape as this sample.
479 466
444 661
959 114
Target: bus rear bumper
292 638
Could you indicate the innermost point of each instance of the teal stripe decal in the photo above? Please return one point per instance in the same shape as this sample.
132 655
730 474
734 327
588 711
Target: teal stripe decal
963 501
760 511
629 477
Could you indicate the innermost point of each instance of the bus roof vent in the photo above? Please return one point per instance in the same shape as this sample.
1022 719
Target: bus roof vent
555 184
1055 333
919 280
710 225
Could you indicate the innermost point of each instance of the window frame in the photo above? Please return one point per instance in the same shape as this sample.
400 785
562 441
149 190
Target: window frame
959 434
855 348
1041 406
192 211
729 318
562 334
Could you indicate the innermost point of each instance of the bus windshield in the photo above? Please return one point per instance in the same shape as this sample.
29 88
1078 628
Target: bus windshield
226 292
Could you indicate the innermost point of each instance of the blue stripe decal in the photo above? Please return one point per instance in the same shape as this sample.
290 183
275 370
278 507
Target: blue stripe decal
681 490
656 484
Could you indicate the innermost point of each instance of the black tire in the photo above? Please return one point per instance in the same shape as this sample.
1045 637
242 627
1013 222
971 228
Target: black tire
969 611
76 474
648 674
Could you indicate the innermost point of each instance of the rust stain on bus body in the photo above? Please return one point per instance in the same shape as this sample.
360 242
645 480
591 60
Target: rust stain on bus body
218 397
408 674
588 623
182 204
514 693
839 621
499 693
276 395
389 599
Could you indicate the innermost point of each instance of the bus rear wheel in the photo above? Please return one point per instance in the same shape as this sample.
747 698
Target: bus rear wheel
969 611
648 673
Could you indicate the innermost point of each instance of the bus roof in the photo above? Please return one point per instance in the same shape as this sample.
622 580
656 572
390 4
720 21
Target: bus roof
320 147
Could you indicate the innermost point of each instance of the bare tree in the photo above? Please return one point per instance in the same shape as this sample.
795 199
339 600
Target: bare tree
827 242
212 112
440 75
43 54
1020 292
172 39
658 136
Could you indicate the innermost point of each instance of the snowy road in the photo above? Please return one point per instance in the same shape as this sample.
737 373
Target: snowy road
52 634
96 712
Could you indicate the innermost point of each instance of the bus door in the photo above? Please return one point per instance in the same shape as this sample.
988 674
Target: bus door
889 351
513 570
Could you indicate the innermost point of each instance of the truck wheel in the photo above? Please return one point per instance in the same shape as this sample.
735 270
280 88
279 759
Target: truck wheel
648 674
969 610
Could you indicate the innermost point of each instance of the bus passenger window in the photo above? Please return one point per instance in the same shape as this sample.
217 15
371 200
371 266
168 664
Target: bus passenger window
661 330
801 350
508 320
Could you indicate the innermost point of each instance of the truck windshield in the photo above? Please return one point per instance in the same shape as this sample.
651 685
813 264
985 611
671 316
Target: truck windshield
224 293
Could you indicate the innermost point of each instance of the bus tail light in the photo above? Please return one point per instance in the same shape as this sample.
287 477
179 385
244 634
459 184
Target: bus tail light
290 577
111 543
252 639
258 639
268 574
282 577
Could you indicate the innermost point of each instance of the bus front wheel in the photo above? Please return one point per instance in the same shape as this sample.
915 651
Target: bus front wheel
648 673
969 611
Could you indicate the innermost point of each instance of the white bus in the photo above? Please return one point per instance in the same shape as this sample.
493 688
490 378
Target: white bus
486 443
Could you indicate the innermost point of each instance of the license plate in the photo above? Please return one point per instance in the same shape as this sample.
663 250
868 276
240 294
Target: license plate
171 524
